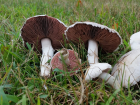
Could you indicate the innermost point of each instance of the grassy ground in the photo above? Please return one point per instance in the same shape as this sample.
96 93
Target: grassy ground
20 82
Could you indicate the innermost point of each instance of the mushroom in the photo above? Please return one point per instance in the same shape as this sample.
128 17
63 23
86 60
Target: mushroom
66 59
135 41
127 69
45 33
93 34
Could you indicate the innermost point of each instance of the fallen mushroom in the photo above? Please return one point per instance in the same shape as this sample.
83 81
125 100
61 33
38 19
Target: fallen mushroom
70 58
45 33
127 69
92 35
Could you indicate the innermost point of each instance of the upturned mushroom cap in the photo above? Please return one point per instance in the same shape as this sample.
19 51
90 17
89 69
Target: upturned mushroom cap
108 39
73 65
127 70
38 27
135 41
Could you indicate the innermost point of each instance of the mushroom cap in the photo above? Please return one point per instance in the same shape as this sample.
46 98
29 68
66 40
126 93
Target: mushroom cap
73 58
108 39
135 41
38 27
96 69
128 67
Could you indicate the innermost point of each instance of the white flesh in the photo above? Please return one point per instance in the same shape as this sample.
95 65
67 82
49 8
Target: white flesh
127 70
47 53
92 52
135 41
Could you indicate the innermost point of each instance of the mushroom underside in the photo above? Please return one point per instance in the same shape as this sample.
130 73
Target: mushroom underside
74 62
37 28
81 33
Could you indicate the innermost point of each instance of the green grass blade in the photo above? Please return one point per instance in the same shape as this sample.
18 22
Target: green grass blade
3 98
111 97
7 72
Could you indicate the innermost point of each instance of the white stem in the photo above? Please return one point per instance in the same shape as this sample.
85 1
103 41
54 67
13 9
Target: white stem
93 59
47 53
110 80
92 52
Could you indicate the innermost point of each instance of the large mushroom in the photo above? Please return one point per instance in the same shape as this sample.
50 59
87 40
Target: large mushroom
92 35
127 69
67 60
45 33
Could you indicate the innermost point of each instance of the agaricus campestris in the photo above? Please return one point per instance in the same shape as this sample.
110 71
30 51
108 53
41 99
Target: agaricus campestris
46 34
127 69
66 59
93 34
135 41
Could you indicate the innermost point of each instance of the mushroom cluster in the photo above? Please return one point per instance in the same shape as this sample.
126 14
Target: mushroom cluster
127 69
45 33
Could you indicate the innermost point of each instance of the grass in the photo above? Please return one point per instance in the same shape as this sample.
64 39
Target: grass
20 82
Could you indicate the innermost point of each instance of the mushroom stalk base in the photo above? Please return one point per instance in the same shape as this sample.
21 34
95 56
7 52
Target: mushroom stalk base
110 80
47 53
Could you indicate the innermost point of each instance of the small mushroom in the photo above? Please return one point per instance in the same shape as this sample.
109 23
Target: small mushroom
45 33
127 69
92 35
70 58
